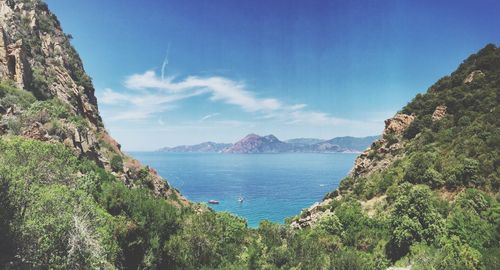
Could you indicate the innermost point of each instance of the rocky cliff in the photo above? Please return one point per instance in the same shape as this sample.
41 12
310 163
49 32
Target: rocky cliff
37 56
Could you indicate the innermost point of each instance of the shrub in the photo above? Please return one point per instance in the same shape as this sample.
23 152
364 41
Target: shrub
331 224
457 255
414 219
116 163
10 96
391 139
54 107
420 163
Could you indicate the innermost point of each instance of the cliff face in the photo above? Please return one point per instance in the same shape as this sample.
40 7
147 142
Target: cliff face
37 56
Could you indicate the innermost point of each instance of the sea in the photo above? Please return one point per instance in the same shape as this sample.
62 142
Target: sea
273 186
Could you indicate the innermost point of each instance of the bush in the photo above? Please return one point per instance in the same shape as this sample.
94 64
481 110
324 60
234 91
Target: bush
391 139
331 224
420 163
457 255
54 107
10 96
116 163
414 219
51 223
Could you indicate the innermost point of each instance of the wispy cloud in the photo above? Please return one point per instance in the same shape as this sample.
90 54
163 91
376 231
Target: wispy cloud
220 89
153 91
208 116
136 106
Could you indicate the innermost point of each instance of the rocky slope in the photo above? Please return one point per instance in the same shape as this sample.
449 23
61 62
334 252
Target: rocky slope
444 138
364 165
37 56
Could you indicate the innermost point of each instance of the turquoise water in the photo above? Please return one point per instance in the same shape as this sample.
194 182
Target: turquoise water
274 186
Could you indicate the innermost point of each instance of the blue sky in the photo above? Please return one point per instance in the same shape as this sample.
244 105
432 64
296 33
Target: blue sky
183 72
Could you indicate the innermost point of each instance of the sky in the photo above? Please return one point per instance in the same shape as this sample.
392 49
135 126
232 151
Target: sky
176 72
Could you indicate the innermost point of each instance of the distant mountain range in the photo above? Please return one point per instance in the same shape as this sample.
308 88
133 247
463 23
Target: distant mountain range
255 144
206 147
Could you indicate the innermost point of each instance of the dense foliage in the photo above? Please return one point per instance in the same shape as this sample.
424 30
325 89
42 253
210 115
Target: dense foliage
439 205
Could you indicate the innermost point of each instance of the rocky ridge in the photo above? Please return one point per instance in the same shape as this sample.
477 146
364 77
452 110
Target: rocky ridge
253 144
398 134
37 56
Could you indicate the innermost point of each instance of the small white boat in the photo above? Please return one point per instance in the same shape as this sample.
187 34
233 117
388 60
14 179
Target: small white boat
213 202
240 199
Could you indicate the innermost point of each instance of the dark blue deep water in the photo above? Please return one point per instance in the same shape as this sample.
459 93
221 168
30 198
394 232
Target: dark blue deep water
274 186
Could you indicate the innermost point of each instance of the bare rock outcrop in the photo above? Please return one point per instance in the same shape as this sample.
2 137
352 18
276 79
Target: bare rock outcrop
384 149
439 113
37 132
13 61
473 76
398 123
37 55
312 215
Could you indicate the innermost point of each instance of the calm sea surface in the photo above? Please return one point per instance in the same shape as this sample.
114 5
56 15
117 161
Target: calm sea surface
274 186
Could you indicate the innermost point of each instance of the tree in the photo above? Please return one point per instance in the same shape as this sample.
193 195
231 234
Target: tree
414 219
116 163
459 256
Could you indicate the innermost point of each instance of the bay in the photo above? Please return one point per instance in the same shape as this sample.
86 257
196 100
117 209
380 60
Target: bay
274 186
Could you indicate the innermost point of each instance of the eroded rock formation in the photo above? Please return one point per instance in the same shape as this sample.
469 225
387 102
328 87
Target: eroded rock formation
439 113
473 75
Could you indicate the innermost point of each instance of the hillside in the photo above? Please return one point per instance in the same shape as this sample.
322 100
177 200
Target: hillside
432 181
423 196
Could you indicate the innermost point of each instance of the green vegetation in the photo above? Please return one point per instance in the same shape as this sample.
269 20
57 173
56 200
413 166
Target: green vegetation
116 163
10 96
438 203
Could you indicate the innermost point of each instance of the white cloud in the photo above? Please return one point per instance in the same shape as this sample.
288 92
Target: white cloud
227 91
220 89
111 97
315 118
136 106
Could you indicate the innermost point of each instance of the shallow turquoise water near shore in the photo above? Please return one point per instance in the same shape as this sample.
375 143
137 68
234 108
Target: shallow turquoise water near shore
274 186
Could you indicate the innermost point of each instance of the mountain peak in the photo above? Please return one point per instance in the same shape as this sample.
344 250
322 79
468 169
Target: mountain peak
251 135
271 137
253 144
